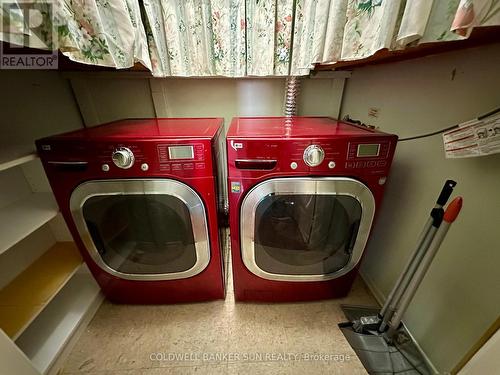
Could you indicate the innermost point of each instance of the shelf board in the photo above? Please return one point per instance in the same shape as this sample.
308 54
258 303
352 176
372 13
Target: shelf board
32 290
45 339
21 218
6 164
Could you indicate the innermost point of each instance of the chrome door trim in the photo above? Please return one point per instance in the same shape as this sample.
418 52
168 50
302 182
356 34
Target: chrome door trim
304 185
165 186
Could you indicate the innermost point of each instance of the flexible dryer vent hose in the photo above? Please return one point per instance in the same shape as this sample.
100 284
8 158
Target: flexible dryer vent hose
292 92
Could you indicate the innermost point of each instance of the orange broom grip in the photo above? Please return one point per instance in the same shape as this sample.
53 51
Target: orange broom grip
453 210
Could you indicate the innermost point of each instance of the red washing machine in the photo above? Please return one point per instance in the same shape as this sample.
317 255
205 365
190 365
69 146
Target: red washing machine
140 199
303 193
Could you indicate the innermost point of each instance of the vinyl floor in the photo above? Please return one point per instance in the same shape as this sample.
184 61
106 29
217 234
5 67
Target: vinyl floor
220 337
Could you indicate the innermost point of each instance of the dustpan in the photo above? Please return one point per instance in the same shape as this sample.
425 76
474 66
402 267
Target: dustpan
378 356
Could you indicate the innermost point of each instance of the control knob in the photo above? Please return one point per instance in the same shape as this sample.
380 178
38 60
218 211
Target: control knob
123 157
314 155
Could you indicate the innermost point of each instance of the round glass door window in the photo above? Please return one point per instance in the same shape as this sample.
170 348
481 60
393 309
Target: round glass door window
152 229
302 234
141 234
305 228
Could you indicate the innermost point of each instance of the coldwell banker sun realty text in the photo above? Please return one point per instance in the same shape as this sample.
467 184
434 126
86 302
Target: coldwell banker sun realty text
248 357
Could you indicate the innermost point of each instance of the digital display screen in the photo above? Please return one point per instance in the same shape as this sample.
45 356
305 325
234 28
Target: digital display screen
180 152
367 150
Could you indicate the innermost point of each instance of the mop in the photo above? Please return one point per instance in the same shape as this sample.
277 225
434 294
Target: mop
379 339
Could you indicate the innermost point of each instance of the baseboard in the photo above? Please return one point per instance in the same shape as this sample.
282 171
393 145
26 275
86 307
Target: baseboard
380 297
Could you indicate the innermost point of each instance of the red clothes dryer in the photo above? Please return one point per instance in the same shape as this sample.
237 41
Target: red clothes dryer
140 199
303 193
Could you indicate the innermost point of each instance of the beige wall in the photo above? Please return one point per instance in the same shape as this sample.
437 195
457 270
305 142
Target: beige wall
109 96
33 104
458 300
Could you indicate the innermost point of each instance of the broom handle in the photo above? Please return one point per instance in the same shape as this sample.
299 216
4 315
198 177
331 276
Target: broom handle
449 217
423 243
404 279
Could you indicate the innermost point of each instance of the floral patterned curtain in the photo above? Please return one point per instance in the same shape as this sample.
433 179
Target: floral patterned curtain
472 13
238 38
356 29
97 32
196 38
370 27
104 32
219 37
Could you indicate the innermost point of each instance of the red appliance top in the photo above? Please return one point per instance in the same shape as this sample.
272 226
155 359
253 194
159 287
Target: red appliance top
149 128
294 127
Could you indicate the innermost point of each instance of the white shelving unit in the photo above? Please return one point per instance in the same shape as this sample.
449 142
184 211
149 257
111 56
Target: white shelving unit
20 218
74 306
13 360
47 296
27 295
6 163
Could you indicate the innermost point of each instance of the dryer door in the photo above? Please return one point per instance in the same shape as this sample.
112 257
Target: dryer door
305 229
153 229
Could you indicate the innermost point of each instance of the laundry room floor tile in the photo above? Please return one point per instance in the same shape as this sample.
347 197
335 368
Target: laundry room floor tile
220 337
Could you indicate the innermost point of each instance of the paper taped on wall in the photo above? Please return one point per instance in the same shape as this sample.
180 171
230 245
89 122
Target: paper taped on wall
473 138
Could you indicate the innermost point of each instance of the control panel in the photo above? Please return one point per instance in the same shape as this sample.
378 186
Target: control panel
173 158
367 155
181 157
336 154
368 150
317 155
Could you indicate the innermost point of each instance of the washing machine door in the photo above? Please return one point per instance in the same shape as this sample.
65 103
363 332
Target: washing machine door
154 229
305 229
